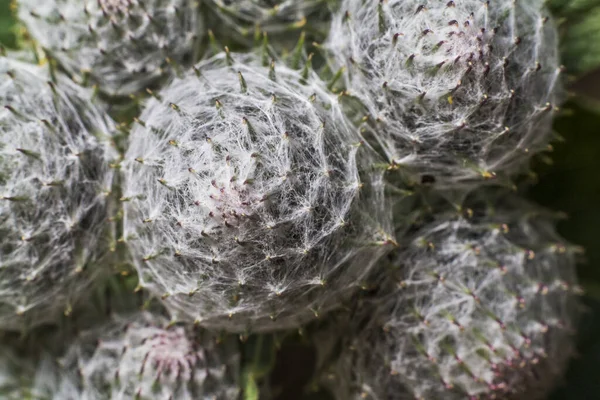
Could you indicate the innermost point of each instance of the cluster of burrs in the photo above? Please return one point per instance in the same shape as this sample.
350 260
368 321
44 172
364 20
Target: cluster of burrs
162 196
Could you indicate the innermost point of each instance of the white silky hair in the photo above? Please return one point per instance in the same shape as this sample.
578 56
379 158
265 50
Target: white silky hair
482 308
144 354
462 90
54 182
123 46
251 202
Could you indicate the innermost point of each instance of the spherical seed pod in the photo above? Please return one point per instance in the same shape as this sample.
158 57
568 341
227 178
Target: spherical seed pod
54 182
483 308
249 202
457 91
123 46
143 356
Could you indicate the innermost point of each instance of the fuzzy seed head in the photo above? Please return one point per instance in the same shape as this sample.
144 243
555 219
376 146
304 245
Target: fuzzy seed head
54 177
123 46
248 204
462 90
484 308
142 356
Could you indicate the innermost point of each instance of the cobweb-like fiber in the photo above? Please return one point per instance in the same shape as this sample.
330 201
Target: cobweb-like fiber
461 90
484 308
143 356
249 202
54 180
122 45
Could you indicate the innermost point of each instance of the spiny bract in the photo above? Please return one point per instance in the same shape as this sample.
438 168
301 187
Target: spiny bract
54 180
483 308
248 205
143 356
124 46
458 90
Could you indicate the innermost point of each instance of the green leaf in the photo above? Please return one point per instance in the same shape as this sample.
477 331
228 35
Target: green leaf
260 353
580 46
251 391
7 25
572 8
259 359
579 24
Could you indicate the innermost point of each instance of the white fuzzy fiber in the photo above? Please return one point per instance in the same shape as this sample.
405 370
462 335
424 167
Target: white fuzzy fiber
123 46
460 90
54 181
481 308
142 356
250 202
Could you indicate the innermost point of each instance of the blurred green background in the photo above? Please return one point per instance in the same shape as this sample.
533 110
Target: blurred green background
570 184
7 36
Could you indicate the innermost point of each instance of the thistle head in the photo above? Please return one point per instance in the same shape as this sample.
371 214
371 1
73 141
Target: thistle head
122 46
55 177
481 307
245 196
462 90
143 356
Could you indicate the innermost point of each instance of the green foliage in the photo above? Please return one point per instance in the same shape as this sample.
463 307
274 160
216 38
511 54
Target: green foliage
7 33
581 47
572 8
580 28
259 358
